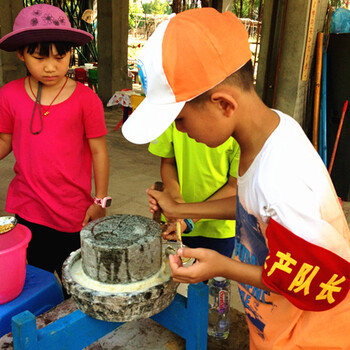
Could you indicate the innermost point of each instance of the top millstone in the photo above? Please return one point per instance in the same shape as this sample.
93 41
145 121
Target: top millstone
121 248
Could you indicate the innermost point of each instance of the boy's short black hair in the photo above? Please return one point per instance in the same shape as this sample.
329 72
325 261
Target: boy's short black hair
45 47
242 78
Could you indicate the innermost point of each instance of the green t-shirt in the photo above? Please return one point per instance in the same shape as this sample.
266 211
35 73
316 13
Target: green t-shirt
201 172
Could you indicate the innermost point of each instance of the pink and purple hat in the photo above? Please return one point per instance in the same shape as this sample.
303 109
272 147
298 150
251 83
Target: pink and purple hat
42 23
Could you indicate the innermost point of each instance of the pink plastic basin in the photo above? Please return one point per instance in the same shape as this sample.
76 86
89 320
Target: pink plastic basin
13 254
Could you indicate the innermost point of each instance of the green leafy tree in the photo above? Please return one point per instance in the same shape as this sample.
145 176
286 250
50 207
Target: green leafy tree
135 15
157 7
247 8
339 3
138 10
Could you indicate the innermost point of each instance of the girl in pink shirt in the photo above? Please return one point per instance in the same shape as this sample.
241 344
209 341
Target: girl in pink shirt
56 129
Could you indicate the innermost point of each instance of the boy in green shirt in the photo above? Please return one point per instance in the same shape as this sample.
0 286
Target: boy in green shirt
194 172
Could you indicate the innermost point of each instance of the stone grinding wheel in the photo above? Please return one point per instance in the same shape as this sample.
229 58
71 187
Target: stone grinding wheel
120 259
121 248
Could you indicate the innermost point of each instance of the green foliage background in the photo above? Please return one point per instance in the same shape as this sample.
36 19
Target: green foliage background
156 7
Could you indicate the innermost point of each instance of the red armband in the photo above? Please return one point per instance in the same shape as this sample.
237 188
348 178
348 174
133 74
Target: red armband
311 277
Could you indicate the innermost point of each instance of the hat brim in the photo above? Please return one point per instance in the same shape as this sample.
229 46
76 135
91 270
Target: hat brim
20 38
149 121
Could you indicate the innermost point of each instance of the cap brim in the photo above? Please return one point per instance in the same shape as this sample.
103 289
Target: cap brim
149 121
20 38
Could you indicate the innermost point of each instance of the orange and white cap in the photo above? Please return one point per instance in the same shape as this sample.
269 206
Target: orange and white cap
187 55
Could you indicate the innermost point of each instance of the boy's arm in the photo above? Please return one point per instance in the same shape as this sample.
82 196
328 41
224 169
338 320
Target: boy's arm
170 180
222 209
228 190
171 185
100 162
5 144
168 172
210 264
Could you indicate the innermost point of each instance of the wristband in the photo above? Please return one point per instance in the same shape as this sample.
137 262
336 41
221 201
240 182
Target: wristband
190 225
103 202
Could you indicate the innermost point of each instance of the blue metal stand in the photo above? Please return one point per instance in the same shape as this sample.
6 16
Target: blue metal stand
187 317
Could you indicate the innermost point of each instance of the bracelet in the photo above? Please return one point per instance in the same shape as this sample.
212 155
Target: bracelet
190 225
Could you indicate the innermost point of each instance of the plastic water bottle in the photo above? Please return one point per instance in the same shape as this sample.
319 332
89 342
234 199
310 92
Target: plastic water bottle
219 308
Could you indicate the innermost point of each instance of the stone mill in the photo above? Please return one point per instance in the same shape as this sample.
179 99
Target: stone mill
121 272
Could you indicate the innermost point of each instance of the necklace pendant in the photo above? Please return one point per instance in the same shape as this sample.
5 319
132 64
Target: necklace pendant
46 113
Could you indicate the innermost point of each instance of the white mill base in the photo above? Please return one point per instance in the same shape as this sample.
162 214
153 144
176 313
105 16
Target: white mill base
118 302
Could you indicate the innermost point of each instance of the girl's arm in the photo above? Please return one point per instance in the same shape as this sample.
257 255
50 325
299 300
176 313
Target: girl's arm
5 144
100 163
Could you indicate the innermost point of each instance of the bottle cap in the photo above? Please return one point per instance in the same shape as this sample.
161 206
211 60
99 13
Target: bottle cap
219 279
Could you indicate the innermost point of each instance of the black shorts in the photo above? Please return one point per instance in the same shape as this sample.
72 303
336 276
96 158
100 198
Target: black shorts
224 246
49 248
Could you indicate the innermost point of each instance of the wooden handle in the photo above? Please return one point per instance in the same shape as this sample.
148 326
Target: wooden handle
178 232
158 186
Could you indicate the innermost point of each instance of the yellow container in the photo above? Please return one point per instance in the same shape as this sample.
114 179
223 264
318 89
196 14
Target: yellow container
136 100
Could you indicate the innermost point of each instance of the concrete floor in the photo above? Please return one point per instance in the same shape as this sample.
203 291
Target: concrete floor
132 170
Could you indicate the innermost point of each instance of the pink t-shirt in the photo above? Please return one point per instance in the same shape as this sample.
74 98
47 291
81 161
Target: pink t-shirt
52 185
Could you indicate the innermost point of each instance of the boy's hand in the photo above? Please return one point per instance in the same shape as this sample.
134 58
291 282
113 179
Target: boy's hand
208 265
152 202
163 200
94 212
170 233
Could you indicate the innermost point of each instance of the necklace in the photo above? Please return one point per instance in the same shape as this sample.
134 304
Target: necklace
47 112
